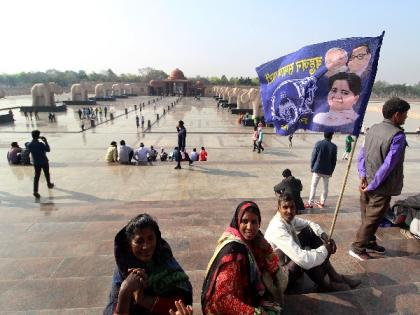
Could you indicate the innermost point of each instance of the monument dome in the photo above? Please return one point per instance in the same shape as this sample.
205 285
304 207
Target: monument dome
176 75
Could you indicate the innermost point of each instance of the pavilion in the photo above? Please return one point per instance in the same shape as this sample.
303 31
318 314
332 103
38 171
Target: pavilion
176 84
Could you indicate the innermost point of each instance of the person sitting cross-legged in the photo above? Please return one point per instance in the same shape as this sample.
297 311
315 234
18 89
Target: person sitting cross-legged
125 153
141 155
303 247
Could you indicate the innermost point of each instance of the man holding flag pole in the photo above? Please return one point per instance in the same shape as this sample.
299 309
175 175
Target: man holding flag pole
381 176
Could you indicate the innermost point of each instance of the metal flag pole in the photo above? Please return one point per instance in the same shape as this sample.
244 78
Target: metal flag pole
343 187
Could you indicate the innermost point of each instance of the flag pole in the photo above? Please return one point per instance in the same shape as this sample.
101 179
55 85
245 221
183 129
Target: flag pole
343 187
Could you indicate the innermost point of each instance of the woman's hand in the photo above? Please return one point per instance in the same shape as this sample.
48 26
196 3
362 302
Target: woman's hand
181 309
136 280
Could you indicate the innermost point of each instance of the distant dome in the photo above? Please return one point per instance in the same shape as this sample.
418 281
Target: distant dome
176 75
154 83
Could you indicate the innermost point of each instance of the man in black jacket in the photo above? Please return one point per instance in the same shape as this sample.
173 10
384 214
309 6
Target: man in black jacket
292 186
324 158
38 150
182 136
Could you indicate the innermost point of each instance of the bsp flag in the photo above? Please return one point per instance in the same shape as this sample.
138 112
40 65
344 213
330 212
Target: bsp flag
321 87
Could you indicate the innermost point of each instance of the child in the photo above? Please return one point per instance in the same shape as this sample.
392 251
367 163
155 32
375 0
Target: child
203 154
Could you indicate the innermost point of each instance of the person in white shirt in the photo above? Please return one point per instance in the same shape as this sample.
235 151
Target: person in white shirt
125 153
194 155
141 154
309 251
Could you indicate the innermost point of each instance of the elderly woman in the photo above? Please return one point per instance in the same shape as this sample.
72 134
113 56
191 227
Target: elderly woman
243 276
147 278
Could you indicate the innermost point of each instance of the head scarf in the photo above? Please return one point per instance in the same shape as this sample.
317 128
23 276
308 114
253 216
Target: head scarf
256 254
165 275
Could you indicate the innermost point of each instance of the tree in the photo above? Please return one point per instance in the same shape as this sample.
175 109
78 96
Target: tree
224 80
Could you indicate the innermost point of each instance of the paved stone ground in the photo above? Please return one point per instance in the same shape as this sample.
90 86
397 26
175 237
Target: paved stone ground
56 256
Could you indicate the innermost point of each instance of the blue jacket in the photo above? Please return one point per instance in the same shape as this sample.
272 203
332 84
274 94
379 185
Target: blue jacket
324 157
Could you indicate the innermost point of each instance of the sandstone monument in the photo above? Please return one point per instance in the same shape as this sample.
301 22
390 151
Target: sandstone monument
79 92
43 93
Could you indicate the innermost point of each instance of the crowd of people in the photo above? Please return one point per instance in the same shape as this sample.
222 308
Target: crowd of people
249 271
124 154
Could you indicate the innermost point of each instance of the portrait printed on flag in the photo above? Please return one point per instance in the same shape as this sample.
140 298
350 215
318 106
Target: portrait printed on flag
321 87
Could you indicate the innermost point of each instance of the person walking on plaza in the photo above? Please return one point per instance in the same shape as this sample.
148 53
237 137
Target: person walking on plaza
324 158
347 150
182 136
137 121
381 175
255 135
142 121
290 140
38 150
260 138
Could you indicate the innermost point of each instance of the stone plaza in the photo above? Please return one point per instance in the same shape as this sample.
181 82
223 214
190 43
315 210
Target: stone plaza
56 254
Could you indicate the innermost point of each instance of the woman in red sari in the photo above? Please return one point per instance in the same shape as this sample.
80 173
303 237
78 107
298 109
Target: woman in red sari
243 276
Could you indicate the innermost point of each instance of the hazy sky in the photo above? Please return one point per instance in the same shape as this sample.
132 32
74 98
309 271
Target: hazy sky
204 38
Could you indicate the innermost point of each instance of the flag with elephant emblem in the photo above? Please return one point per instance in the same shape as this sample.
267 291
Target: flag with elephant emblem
321 87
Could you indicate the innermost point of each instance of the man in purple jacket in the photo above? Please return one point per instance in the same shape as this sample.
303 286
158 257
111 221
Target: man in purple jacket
380 168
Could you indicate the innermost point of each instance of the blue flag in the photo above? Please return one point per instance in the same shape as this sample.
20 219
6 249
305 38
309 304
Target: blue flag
321 87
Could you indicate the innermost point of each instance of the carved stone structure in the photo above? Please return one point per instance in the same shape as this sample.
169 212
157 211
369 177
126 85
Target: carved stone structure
79 91
117 89
255 101
43 93
242 99
103 90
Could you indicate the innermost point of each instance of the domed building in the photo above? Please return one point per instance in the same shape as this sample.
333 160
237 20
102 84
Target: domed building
176 84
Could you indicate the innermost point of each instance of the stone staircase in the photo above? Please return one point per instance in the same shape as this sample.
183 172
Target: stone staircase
59 259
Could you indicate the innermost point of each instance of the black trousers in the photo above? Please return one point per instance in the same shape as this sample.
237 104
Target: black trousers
308 238
38 168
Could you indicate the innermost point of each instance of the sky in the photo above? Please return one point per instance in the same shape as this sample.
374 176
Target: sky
206 38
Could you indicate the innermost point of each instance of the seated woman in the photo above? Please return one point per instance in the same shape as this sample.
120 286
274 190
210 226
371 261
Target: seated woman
13 155
243 276
147 278
309 251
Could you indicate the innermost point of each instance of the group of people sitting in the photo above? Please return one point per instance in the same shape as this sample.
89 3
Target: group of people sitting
248 273
18 156
143 155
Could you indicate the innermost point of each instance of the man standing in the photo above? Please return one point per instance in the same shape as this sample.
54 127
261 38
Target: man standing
381 175
324 158
137 121
182 136
347 150
38 150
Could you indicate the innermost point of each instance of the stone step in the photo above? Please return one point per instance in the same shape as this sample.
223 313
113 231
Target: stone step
65 311
389 299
